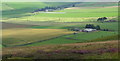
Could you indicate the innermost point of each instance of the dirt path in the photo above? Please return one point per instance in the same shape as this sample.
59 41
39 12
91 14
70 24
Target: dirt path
102 42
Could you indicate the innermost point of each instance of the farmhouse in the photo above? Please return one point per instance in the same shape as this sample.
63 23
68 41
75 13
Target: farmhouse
89 30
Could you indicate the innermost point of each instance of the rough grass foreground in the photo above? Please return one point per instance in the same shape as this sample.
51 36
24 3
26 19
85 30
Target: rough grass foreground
93 50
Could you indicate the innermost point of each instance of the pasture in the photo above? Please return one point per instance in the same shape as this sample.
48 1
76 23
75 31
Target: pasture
50 22
106 25
72 15
19 36
81 37
21 13
21 9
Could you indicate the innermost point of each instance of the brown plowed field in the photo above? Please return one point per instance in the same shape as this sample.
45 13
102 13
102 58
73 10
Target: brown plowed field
12 25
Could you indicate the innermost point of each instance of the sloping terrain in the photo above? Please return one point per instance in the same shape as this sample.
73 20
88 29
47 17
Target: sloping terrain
52 37
94 50
97 4
21 9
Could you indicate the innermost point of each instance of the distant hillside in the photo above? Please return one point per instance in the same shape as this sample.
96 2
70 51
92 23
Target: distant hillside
96 4
35 5
20 9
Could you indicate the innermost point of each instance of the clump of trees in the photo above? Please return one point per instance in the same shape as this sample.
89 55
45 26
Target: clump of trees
102 19
92 26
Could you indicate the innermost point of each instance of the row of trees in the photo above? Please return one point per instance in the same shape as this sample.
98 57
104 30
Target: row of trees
92 26
57 7
45 8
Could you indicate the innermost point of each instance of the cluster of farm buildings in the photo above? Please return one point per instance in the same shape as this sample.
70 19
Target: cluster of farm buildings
85 30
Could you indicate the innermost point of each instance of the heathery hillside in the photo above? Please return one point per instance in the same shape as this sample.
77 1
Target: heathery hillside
93 50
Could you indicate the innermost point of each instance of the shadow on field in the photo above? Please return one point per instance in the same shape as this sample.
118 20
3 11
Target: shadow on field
16 13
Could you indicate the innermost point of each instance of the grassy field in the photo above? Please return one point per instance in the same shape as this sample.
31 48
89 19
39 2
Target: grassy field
97 4
53 21
105 25
34 5
20 9
20 12
81 37
51 28
72 15
13 37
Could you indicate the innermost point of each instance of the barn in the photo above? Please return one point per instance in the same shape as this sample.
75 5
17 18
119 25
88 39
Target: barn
89 30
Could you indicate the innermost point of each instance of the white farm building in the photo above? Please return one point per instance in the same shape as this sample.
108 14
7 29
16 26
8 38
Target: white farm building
89 30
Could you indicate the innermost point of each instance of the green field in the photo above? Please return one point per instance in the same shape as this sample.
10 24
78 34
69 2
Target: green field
20 12
81 37
72 15
20 9
98 12
97 4
24 36
59 19
111 26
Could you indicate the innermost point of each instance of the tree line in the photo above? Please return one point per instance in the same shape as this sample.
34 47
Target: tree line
57 7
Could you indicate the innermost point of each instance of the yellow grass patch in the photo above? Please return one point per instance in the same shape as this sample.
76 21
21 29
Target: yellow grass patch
22 36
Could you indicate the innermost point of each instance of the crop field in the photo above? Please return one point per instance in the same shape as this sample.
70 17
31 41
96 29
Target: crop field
23 36
13 25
